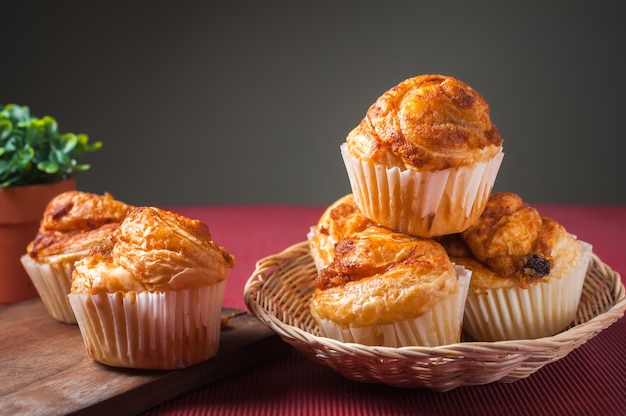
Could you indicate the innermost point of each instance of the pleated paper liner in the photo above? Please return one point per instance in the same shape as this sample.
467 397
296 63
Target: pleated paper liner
278 294
421 203
151 330
53 281
542 309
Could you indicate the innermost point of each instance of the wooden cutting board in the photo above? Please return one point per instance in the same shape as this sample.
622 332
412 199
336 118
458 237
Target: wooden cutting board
45 369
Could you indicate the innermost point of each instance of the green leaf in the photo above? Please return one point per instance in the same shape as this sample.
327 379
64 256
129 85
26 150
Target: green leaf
48 167
33 150
68 142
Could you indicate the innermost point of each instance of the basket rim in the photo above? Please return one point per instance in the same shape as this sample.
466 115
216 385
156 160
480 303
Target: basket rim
594 325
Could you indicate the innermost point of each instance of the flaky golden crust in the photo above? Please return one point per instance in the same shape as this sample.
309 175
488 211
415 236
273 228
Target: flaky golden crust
428 122
379 276
341 219
74 221
153 250
511 243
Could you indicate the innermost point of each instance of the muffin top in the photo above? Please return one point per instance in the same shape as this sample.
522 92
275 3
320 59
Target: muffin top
379 276
153 250
341 219
512 244
74 221
428 122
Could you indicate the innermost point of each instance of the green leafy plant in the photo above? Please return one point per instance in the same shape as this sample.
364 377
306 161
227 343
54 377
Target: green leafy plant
33 151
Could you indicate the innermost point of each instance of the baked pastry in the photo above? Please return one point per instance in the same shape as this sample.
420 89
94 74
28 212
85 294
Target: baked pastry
424 158
72 222
527 271
151 298
385 288
341 219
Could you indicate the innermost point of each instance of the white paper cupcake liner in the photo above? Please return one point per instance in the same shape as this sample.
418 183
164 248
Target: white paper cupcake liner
149 330
439 326
542 310
424 204
53 281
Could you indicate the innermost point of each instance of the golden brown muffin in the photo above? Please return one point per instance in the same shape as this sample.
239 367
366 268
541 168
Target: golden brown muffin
390 289
428 122
72 223
341 219
379 276
425 157
527 271
153 250
512 240
151 298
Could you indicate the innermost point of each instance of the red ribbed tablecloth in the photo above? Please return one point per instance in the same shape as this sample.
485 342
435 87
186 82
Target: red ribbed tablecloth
590 380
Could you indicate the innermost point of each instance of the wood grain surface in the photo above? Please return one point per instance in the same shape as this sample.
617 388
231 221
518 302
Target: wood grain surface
45 369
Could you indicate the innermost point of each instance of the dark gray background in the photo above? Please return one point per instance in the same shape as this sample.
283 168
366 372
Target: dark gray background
244 102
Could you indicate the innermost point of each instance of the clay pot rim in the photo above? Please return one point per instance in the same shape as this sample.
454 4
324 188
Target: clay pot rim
20 204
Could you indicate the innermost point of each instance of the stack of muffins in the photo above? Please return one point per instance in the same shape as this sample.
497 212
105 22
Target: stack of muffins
421 249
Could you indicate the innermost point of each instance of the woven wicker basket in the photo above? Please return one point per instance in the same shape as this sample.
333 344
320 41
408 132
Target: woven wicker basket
278 294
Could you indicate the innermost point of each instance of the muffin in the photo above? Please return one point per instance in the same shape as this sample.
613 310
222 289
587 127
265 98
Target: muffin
72 222
151 298
424 159
527 271
390 289
341 219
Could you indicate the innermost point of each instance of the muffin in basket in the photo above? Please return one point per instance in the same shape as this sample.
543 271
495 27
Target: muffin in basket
341 219
385 288
72 222
527 271
424 159
151 298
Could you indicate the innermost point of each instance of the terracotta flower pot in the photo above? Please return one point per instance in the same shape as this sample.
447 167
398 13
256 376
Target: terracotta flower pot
21 210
